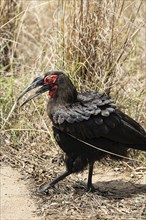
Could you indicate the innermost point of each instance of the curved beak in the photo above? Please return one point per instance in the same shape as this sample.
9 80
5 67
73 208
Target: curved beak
39 81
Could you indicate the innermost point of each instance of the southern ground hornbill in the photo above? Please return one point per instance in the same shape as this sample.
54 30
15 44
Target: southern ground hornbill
84 123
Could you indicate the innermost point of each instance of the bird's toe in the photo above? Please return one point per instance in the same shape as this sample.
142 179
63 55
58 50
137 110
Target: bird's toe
91 188
44 188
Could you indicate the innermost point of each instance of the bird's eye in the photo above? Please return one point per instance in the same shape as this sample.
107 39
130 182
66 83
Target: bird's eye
50 79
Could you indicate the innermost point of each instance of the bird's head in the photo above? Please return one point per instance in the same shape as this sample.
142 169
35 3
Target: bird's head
56 83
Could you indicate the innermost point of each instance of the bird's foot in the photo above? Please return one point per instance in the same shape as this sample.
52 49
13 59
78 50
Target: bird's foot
91 188
82 186
44 188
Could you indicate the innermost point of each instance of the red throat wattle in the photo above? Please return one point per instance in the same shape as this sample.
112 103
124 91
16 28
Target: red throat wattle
53 91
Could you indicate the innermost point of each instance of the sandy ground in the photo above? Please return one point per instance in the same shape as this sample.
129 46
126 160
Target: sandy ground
16 202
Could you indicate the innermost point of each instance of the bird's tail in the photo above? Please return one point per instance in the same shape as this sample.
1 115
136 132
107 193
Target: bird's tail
135 130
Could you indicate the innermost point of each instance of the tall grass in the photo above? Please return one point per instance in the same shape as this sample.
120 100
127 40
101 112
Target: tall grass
98 39
9 10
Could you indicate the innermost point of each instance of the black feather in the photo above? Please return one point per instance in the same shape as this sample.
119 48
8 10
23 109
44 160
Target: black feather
92 117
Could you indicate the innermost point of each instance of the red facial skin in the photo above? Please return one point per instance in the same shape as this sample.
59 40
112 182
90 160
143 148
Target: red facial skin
50 80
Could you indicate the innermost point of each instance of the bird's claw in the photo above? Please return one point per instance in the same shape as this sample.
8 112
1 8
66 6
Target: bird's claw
44 188
91 189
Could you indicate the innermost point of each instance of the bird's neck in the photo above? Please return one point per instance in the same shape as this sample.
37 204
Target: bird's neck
62 99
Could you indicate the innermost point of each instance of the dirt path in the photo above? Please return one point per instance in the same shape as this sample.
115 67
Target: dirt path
15 199
125 199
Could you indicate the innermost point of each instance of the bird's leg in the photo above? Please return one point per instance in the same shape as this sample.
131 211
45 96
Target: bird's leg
43 188
90 187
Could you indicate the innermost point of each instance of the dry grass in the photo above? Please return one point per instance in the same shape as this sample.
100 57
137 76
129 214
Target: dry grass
100 45
9 22
122 192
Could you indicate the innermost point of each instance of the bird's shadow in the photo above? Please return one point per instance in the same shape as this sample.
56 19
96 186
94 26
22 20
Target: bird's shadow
114 189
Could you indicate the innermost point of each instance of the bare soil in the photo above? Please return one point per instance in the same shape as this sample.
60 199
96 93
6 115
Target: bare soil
16 201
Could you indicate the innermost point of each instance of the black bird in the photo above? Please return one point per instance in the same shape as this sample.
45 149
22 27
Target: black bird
84 123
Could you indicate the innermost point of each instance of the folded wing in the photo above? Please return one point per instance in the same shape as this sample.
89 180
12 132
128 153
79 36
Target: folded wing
94 115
